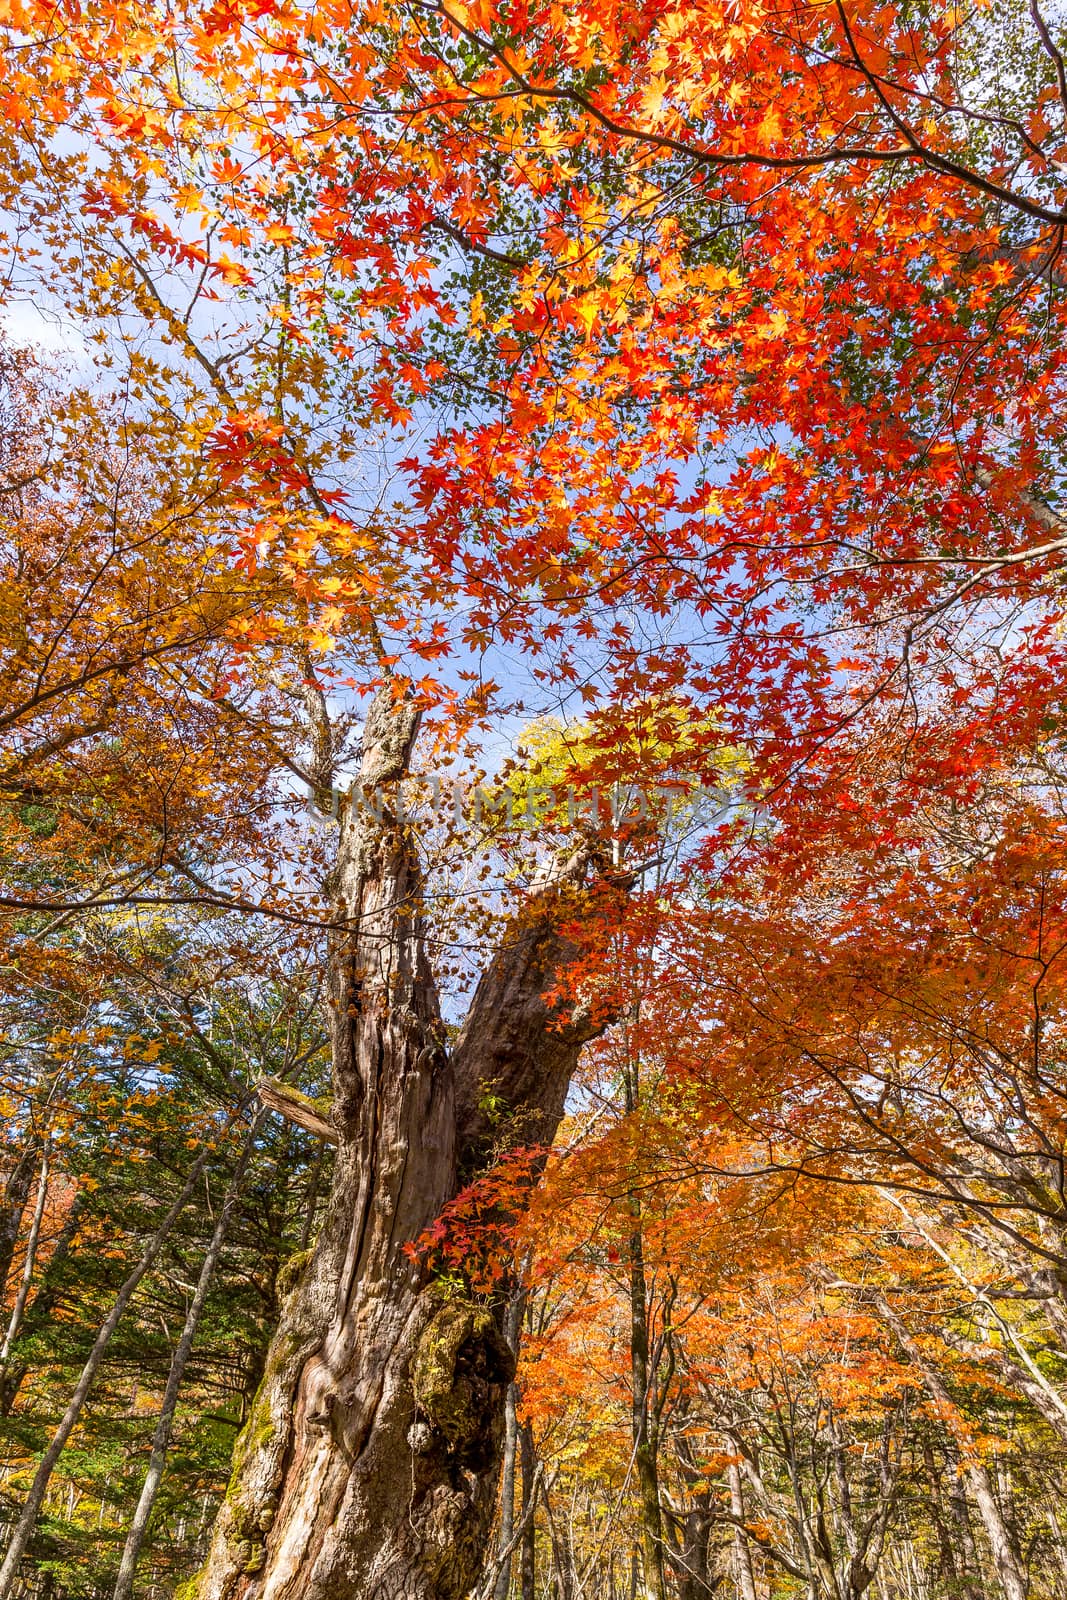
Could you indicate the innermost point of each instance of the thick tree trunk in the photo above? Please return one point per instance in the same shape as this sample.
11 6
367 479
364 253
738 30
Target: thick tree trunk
369 1464
692 1563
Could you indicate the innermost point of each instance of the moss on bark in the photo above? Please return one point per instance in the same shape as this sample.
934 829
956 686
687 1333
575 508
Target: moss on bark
462 1358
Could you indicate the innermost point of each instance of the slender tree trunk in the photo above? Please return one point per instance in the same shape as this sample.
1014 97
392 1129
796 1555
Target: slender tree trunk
368 1469
643 1428
528 1548
970 1581
562 1550
1006 1559
643 1433
511 1434
43 1302
161 1438
746 1578
1058 1542
16 1193
507 1496
946 1568
19 1307
27 1520
312 1199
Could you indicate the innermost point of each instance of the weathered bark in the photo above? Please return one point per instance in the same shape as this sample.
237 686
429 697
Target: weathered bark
369 1465
295 1107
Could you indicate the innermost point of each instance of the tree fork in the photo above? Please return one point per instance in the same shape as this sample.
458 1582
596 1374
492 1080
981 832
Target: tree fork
368 1468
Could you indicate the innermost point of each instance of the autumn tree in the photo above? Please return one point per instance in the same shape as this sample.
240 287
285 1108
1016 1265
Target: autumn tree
723 325
149 1047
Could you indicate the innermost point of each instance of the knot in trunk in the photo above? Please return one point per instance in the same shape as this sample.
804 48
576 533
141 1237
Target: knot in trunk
462 1367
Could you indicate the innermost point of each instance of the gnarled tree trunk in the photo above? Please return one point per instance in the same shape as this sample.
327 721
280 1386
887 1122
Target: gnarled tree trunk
369 1465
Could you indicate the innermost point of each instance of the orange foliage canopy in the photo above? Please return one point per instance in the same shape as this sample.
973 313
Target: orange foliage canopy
754 317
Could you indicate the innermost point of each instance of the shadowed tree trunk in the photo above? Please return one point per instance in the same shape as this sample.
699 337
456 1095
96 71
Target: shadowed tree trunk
16 1192
642 1422
14 1322
692 1560
528 1548
369 1465
42 1305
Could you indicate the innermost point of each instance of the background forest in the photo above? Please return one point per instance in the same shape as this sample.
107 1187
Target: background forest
531 578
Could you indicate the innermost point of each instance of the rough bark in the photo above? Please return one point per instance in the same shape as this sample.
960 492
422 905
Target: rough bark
295 1107
369 1464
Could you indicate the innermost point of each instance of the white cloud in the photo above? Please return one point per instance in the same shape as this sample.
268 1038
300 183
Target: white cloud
25 323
